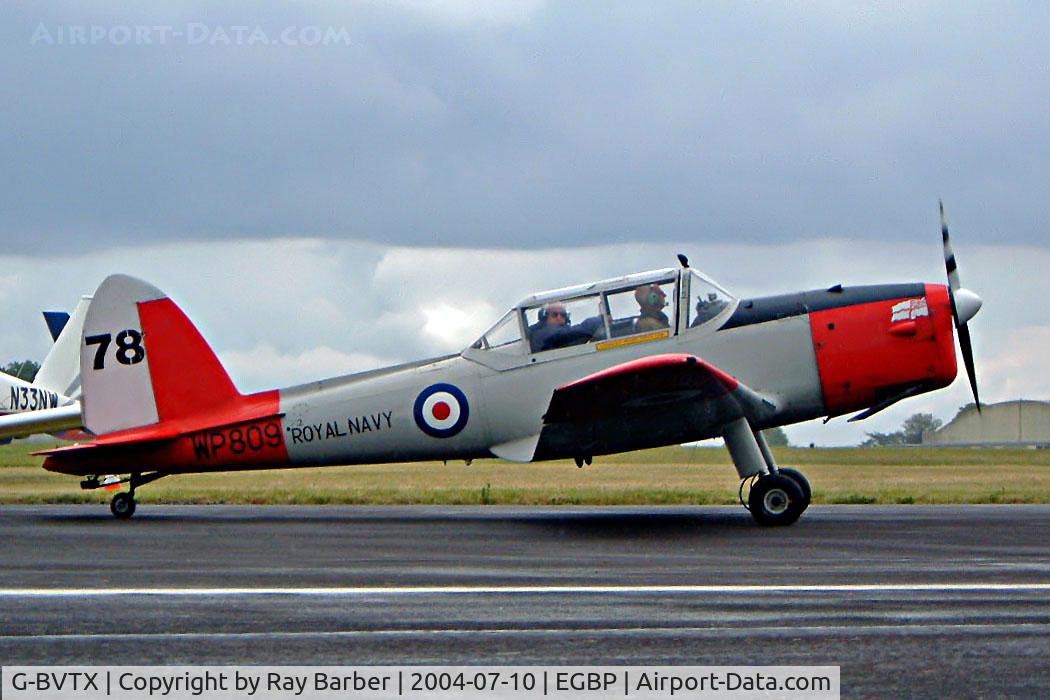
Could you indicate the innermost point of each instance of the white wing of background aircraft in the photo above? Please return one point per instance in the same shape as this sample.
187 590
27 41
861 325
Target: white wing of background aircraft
51 402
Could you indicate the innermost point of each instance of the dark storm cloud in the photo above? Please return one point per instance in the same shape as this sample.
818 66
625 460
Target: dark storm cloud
564 124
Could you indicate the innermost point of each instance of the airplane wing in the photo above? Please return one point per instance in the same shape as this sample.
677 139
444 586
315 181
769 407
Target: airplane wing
662 397
48 420
650 383
50 403
27 408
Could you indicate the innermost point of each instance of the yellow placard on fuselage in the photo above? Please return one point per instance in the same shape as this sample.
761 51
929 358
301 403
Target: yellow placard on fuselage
648 337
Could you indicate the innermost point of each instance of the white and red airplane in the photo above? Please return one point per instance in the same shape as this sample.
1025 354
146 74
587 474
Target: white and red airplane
655 358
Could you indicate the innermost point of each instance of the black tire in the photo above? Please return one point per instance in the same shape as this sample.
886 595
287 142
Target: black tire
775 500
122 506
802 481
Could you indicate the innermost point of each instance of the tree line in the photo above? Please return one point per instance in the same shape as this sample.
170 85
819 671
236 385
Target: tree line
25 369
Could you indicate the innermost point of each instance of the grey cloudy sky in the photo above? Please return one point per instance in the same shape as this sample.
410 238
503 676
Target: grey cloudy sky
524 124
321 209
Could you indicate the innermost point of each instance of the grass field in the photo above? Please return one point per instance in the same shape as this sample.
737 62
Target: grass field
670 475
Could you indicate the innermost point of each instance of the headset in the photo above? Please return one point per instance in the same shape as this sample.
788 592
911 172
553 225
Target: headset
652 297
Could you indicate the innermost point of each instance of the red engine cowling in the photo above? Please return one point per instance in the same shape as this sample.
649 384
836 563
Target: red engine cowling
869 352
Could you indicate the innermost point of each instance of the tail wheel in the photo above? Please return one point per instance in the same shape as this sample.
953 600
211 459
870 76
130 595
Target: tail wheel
122 506
776 499
803 483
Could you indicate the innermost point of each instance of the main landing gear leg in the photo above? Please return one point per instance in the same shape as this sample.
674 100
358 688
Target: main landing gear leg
778 496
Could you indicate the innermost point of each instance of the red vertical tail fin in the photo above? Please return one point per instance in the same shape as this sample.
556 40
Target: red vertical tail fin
144 362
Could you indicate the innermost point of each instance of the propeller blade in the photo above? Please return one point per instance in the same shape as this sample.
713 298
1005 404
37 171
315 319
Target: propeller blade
967 299
949 256
967 352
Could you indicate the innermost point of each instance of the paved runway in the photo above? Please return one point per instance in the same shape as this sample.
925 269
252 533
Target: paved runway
940 600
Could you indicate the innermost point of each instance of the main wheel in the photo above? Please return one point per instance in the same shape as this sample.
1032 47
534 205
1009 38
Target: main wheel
776 499
803 483
123 505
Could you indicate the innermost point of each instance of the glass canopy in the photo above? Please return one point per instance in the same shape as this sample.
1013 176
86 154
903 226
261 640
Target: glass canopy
639 304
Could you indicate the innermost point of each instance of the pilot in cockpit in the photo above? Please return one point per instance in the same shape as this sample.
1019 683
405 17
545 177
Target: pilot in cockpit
554 315
555 330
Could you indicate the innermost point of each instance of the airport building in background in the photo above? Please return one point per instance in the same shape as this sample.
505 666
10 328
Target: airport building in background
1021 423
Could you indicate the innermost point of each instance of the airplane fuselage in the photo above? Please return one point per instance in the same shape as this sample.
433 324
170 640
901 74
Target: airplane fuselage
812 354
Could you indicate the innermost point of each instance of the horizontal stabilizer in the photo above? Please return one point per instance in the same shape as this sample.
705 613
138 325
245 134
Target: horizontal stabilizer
98 450
171 445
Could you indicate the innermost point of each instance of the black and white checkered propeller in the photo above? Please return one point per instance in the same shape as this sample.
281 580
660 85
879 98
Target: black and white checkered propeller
965 305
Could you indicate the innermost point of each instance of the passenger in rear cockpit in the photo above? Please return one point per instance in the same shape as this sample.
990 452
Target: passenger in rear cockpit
651 302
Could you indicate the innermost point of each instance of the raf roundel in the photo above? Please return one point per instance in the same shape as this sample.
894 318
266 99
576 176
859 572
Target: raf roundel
441 410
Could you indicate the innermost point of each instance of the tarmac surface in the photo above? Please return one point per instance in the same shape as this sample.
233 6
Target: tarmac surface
931 601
